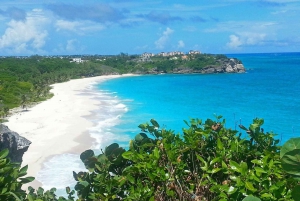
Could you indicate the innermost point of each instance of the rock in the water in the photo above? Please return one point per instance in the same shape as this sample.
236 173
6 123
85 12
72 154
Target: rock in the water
16 144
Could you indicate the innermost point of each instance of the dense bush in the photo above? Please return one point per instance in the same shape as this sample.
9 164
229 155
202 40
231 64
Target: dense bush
206 162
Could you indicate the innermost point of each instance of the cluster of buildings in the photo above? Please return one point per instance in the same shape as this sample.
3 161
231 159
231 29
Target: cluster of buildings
147 56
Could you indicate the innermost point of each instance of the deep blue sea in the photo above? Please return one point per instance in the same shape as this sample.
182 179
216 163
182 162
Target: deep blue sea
270 89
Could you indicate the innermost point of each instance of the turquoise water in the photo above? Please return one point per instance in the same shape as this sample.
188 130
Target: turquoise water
270 89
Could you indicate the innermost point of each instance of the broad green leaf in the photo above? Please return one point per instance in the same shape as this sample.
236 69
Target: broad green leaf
30 198
251 198
244 168
131 179
216 170
26 180
250 186
266 195
140 137
296 193
4 190
111 148
84 183
23 170
154 123
156 153
291 162
231 190
127 155
4 153
260 170
214 161
243 127
86 154
219 144
290 145
235 166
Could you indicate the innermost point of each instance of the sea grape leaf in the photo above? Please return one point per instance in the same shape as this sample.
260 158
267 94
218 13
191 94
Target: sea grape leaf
291 144
140 137
291 162
154 123
110 149
26 179
23 171
86 154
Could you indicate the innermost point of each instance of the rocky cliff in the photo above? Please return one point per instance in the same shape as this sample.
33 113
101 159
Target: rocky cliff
226 66
223 66
16 144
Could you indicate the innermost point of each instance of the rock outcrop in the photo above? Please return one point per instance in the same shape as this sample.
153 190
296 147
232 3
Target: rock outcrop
226 66
16 144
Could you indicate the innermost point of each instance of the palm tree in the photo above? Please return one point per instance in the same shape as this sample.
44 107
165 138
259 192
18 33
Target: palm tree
24 101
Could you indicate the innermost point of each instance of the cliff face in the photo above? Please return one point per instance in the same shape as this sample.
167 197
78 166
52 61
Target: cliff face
226 66
16 144
223 66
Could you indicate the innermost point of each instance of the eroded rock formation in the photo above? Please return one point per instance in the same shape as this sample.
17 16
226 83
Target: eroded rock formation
16 144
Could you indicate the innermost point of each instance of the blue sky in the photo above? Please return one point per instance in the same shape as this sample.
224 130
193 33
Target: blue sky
69 27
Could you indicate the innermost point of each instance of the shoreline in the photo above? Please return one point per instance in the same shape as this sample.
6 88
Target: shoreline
58 125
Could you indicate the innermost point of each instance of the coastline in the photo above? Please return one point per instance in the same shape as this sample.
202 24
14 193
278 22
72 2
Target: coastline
58 125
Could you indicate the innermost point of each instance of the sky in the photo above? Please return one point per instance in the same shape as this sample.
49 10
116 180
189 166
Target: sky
109 27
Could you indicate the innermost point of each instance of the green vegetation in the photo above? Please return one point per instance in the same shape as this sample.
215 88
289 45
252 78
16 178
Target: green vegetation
26 80
206 162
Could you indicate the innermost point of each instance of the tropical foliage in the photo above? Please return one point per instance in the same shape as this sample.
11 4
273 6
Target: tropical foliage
206 162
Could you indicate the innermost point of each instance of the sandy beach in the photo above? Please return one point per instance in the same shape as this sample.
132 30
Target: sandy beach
58 125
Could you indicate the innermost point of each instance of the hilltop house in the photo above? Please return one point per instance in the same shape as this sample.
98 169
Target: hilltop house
146 57
194 52
76 60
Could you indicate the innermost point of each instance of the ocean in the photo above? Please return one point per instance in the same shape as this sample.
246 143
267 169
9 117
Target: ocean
270 89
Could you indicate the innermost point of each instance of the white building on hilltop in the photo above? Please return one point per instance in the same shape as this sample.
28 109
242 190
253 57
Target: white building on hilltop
76 60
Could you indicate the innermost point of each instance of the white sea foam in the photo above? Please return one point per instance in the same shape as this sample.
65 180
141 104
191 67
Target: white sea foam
57 171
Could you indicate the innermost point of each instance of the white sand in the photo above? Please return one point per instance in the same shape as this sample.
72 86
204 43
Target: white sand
57 126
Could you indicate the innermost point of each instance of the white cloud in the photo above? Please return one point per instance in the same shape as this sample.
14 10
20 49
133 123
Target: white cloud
79 27
243 26
25 36
161 42
245 38
180 44
235 42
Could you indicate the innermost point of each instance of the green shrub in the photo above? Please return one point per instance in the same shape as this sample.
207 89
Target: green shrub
12 178
206 162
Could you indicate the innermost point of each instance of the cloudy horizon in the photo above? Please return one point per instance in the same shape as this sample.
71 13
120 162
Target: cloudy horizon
31 27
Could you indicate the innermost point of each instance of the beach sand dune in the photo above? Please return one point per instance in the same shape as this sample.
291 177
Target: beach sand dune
58 125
